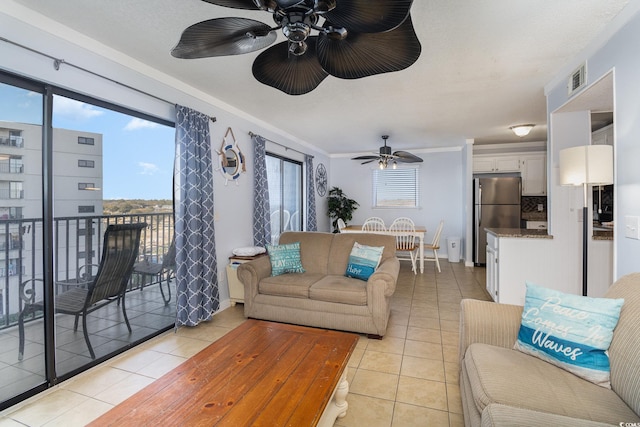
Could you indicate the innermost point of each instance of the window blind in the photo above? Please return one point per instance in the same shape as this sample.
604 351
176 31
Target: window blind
395 187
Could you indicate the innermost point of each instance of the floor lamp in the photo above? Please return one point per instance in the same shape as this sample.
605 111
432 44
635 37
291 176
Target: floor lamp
586 165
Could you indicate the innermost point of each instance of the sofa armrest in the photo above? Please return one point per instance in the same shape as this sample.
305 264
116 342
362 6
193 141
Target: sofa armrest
385 276
250 273
489 323
380 287
496 414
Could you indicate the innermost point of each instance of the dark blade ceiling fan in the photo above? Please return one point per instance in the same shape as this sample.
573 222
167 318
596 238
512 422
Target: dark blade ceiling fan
386 157
356 38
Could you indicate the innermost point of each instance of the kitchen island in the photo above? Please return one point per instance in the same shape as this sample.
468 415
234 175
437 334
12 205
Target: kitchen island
508 267
516 256
519 232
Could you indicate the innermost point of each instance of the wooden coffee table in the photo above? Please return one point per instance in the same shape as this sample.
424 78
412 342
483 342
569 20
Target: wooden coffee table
259 374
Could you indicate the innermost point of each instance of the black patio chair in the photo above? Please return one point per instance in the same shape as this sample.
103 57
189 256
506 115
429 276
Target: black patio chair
119 252
163 271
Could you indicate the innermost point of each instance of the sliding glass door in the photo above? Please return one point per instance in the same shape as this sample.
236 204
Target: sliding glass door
285 195
21 254
71 166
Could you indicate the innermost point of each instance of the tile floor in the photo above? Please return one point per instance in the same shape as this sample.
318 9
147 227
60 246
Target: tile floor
409 378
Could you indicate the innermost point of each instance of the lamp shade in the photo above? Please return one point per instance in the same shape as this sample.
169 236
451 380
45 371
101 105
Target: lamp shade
587 164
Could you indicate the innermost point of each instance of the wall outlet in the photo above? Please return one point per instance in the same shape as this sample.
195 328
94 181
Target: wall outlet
632 227
540 207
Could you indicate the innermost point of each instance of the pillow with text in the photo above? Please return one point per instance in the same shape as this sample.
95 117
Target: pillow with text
363 261
285 258
570 331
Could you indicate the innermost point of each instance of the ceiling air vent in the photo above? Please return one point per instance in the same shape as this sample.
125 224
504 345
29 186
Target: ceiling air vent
577 79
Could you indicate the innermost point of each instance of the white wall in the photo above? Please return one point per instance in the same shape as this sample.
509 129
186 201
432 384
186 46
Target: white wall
441 192
234 203
618 53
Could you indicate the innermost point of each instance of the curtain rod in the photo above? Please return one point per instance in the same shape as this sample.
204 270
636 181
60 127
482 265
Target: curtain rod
58 61
281 145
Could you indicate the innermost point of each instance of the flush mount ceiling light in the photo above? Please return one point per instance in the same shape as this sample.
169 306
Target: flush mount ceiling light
522 130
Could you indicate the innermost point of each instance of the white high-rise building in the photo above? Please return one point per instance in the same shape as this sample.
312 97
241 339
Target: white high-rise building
77 183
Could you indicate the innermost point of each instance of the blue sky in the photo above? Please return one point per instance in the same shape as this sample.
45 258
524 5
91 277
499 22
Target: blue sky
137 154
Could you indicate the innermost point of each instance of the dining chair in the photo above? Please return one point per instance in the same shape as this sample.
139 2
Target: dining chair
434 246
374 224
341 224
293 222
119 252
404 231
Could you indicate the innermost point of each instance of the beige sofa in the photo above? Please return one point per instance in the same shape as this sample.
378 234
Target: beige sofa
504 387
323 296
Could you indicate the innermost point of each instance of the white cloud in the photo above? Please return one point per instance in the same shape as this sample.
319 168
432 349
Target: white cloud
148 168
73 109
136 123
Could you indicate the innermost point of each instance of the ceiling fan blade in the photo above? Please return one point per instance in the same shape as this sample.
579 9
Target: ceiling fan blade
368 161
365 158
235 4
292 74
288 3
369 16
406 157
366 54
223 36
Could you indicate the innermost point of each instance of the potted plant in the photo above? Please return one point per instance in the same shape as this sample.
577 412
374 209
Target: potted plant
340 206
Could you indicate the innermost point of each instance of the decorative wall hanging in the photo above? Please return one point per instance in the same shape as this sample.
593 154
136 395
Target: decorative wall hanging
230 158
321 179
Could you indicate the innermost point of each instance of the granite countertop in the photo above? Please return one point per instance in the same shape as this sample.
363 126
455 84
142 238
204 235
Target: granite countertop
602 234
519 232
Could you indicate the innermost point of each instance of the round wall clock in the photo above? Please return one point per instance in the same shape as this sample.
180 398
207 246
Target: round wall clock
321 180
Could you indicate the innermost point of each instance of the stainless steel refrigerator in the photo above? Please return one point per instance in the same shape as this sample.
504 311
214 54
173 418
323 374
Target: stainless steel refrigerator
496 205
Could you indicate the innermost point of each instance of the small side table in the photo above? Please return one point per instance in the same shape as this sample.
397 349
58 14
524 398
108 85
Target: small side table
236 288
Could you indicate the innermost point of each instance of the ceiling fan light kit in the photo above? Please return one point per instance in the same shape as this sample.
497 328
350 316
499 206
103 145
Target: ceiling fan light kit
356 39
386 157
522 130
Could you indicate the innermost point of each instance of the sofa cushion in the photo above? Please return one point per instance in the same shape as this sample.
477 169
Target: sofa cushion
289 285
339 289
314 249
508 377
569 331
285 258
363 261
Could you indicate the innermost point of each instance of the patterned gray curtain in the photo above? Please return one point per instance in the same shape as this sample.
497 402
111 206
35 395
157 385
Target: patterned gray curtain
196 266
261 208
312 223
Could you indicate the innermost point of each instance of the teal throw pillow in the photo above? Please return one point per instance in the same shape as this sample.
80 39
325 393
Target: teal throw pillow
363 261
570 331
285 258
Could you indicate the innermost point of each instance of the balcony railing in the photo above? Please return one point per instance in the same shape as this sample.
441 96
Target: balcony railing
12 141
6 194
77 248
11 168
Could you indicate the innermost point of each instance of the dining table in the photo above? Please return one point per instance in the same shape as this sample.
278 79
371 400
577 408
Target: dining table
420 232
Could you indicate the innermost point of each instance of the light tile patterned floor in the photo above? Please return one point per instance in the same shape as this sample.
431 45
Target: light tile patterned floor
409 378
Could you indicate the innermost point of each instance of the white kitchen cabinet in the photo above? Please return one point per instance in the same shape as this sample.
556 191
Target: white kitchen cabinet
533 168
492 266
493 163
603 136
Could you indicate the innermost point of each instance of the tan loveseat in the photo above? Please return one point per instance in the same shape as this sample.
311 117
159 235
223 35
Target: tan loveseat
504 387
323 296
